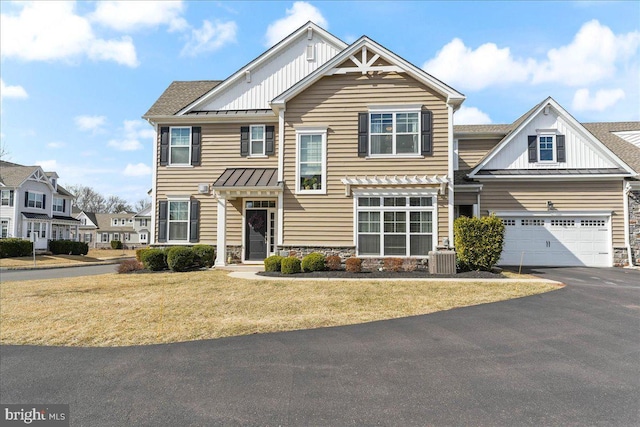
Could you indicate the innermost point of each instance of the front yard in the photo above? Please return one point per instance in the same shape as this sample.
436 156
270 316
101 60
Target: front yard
118 310
94 255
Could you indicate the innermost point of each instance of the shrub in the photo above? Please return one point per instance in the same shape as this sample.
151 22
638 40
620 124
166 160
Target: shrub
273 263
139 253
204 255
181 258
68 247
313 262
410 264
353 265
129 265
13 247
290 265
116 244
393 264
333 262
154 259
478 242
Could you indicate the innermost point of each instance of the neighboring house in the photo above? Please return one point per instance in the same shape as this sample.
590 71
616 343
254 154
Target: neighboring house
98 229
561 187
32 204
317 145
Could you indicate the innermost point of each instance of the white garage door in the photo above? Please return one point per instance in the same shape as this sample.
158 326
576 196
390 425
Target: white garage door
557 241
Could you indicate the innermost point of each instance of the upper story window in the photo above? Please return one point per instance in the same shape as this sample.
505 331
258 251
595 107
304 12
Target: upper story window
143 222
58 204
546 150
311 161
180 146
394 133
123 221
6 197
547 147
35 200
115 221
257 143
83 221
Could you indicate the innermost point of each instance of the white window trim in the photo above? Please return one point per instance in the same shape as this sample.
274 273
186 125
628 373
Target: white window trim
8 198
553 147
34 202
389 109
188 164
54 205
407 209
4 221
174 200
312 131
264 141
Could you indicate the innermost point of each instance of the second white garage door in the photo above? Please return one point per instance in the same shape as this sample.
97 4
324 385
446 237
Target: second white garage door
557 241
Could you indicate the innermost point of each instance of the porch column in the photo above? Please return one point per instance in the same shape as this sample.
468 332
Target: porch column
221 249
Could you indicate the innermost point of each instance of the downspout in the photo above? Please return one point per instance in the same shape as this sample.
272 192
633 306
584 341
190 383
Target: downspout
450 172
279 234
626 191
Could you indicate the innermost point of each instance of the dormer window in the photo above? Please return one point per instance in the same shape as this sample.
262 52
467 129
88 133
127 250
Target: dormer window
53 182
547 148
546 151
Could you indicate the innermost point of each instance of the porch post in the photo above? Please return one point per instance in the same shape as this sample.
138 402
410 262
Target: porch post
221 249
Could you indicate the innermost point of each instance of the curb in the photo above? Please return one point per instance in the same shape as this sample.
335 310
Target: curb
57 266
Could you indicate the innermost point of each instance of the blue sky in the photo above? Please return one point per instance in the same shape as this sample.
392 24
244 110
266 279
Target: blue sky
76 77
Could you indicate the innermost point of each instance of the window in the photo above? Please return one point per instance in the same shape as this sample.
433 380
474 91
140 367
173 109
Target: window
116 236
4 229
105 237
87 237
394 133
143 237
257 140
58 205
6 197
395 226
123 221
39 229
178 220
546 149
83 221
115 221
180 146
143 222
127 236
312 163
35 200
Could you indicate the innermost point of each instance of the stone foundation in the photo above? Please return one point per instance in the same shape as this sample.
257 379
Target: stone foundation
620 257
235 253
634 226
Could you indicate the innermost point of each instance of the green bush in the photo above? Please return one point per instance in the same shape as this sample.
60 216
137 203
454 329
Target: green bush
154 259
273 263
478 242
204 255
139 253
13 247
290 265
181 258
116 244
353 265
68 247
313 262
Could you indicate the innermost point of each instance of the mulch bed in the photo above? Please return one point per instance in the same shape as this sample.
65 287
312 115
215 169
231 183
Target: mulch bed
421 274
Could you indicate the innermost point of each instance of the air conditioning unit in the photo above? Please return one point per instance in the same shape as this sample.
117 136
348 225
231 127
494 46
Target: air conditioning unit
442 262
203 188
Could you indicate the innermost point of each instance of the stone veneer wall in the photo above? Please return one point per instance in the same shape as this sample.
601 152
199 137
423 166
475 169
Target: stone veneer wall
620 257
634 226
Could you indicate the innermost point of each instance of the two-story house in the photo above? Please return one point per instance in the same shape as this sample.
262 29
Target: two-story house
34 205
317 145
99 229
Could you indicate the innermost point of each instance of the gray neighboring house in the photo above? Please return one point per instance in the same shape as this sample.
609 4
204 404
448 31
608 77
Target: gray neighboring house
33 204
99 229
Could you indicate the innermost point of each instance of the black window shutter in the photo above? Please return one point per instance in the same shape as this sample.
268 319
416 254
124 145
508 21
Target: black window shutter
44 201
196 145
10 197
162 221
194 221
64 205
561 152
164 146
244 141
363 134
26 199
426 146
533 148
269 141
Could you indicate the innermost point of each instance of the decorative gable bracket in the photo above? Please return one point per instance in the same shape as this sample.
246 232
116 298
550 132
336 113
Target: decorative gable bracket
365 65
395 180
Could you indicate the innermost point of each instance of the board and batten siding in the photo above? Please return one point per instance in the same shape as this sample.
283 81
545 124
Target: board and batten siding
471 151
511 195
334 102
220 150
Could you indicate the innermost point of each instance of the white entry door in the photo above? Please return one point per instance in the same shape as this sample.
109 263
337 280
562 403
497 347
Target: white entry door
557 241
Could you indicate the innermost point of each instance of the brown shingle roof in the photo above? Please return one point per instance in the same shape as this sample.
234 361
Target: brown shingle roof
12 174
178 95
629 153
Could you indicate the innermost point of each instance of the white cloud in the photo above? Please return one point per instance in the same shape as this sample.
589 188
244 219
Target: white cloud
132 132
135 15
47 31
603 99
591 56
90 123
56 144
298 15
465 68
7 91
470 116
211 37
48 165
137 170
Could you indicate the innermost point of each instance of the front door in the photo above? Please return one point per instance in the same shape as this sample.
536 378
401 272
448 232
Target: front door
256 235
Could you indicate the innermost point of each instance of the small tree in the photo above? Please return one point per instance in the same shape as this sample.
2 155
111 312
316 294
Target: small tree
478 242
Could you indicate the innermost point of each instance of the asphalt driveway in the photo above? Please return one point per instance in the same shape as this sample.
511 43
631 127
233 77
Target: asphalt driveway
569 357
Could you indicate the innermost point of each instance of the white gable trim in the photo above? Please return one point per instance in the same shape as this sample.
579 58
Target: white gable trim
365 64
570 119
266 56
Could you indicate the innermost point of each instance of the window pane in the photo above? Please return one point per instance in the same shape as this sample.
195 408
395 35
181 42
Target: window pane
180 155
369 201
395 201
369 222
381 144
421 222
310 148
178 211
407 144
257 132
256 147
420 245
382 123
395 222
407 122
369 244
177 231
180 136
395 245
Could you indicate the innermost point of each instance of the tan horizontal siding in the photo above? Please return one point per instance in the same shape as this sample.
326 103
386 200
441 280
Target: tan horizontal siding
465 198
471 151
220 150
334 102
567 196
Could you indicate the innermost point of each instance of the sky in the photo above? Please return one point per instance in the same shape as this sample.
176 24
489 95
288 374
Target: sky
76 77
